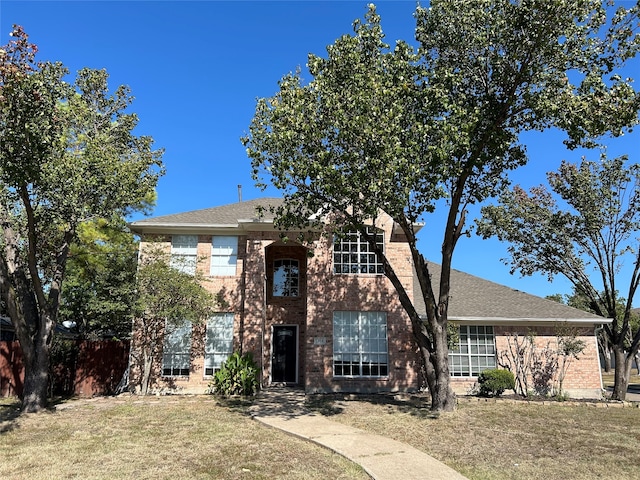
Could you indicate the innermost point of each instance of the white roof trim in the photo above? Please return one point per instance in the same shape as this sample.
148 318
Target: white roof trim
496 320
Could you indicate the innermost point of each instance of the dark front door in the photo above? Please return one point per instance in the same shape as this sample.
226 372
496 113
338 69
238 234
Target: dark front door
283 361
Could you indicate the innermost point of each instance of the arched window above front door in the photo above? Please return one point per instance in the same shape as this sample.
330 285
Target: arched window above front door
286 278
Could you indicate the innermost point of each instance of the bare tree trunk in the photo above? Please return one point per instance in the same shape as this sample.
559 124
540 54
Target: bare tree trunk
36 374
605 350
146 372
622 373
442 397
607 360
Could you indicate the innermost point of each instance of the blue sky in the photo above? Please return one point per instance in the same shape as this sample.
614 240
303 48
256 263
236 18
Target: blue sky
196 69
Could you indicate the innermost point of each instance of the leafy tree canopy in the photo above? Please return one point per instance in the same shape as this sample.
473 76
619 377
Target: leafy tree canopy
399 129
68 155
99 288
585 229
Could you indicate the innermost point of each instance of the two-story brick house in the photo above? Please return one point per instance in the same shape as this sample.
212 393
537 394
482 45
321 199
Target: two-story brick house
324 316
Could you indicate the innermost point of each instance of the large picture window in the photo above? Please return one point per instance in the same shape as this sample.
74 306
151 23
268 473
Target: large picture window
360 344
184 253
224 255
475 352
286 278
176 353
353 254
218 341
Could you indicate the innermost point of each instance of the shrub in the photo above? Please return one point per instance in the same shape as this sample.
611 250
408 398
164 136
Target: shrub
237 376
494 382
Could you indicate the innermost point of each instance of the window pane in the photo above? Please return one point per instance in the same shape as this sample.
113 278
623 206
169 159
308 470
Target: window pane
224 255
475 351
176 351
360 258
360 344
218 341
184 253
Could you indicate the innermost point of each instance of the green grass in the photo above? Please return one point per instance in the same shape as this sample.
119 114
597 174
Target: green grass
156 438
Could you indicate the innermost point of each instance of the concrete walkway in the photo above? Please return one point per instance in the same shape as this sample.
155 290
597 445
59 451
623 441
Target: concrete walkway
382 458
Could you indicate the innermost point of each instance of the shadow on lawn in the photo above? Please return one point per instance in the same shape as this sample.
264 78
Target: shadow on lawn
418 405
9 412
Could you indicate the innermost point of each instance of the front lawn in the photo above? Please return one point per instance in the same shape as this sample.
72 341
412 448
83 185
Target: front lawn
171 437
488 439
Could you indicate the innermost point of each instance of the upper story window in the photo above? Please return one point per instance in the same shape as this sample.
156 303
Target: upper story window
353 254
286 278
184 253
224 255
475 352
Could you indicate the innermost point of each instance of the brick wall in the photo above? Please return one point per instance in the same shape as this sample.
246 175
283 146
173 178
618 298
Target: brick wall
257 311
582 377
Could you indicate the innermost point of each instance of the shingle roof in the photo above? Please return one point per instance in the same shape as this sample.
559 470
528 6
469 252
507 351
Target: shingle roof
227 215
474 298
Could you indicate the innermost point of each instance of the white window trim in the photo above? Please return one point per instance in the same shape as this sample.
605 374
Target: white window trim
185 256
224 256
183 366
361 248
490 357
288 278
210 364
357 352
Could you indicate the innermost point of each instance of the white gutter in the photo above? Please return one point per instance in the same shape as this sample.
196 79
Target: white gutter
511 320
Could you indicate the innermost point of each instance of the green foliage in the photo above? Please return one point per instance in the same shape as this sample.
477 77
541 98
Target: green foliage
237 376
453 335
68 155
166 296
100 291
494 382
440 121
584 228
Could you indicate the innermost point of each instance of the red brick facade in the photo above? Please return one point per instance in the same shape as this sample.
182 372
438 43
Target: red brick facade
248 295
306 322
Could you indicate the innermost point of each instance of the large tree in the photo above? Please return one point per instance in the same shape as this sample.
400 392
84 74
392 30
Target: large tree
587 238
407 130
67 155
99 287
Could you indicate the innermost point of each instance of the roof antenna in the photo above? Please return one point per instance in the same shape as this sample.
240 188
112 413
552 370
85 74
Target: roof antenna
240 193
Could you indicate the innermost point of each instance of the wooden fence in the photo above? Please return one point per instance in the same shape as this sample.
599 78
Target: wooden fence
87 369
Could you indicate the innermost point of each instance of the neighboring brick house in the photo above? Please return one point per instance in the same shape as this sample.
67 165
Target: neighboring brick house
325 317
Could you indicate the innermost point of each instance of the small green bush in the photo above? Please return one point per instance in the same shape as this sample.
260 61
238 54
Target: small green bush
494 382
237 376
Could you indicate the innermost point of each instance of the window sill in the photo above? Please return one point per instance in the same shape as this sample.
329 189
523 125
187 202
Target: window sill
383 377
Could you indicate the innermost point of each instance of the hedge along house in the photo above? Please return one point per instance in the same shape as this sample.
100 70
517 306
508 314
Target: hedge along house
323 316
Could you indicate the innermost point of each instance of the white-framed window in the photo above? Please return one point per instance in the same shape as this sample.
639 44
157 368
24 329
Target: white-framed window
184 253
352 253
360 344
176 352
475 352
286 278
218 344
224 255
